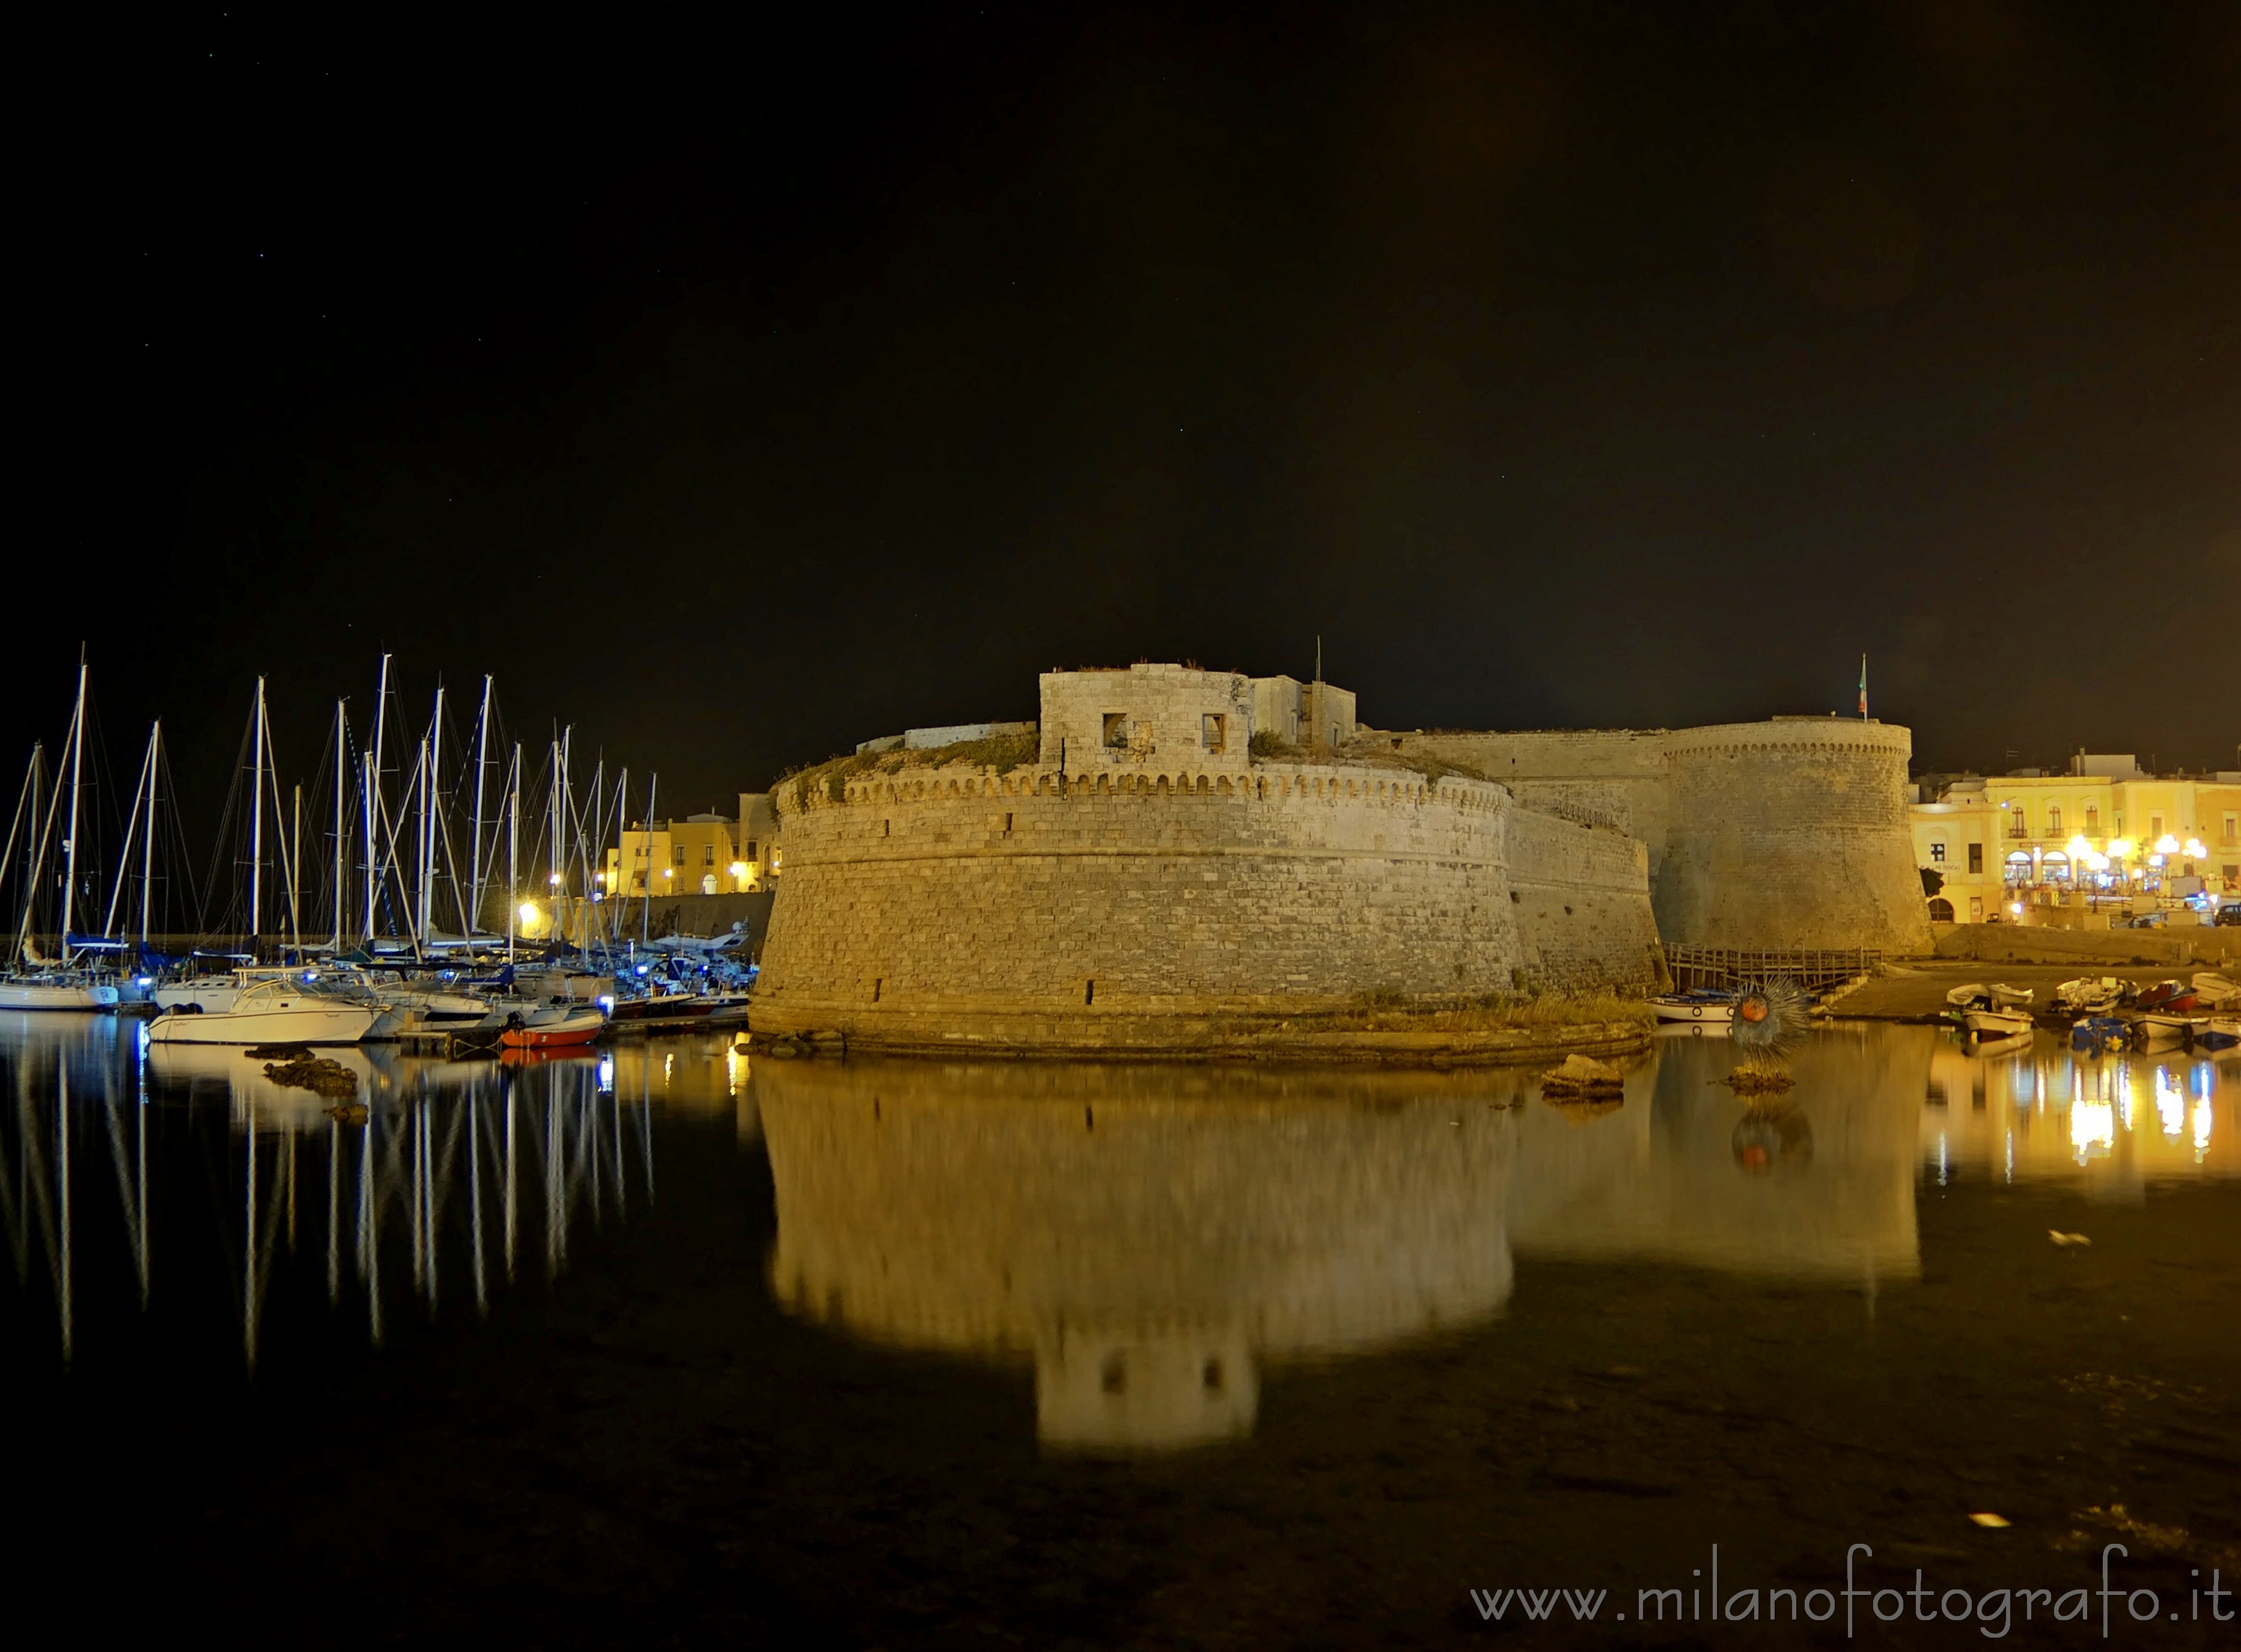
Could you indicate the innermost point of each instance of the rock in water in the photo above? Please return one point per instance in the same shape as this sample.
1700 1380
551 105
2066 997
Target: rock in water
1583 1077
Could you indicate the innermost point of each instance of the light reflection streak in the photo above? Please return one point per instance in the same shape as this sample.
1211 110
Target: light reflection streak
414 1177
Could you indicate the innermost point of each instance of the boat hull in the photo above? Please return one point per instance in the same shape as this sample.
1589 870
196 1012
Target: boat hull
1694 1014
296 1023
574 1031
55 995
1996 1024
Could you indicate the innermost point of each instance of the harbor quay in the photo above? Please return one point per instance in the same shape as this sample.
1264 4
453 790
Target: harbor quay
1172 861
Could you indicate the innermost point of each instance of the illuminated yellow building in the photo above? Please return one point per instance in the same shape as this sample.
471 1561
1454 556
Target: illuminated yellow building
695 856
2106 828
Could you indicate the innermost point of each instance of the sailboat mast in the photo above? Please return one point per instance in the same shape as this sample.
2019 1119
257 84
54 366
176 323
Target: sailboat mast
142 788
645 902
295 862
513 848
428 814
256 820
341 767
475 849
372 782
148 838
70 843
619 889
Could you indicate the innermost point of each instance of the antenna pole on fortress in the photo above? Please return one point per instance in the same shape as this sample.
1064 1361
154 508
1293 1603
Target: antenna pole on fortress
1863 688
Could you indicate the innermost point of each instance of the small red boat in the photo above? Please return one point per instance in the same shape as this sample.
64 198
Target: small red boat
2173 997
564 1029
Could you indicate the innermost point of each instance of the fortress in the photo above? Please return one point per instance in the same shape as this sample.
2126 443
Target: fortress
1159 863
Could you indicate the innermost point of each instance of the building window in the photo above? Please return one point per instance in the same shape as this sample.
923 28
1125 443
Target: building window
2017 827
1214 731
1116 730
1941 911
707 854
2092 820
2230 833
680 855
751 855
1937 852
2155 828
2054 820
1977 858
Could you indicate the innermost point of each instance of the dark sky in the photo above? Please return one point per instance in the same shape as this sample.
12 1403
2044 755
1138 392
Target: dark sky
740 395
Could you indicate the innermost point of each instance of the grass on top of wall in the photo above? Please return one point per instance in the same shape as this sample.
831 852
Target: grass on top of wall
1002 752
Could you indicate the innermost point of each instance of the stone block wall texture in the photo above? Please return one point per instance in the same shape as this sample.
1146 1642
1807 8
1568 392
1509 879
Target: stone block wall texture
1163 711
1581 896
1788 833
1027 908
1791 834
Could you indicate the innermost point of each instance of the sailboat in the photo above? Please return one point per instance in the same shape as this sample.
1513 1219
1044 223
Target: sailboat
32 982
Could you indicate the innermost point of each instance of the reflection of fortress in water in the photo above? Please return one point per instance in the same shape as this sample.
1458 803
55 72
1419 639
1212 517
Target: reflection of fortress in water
1147 1239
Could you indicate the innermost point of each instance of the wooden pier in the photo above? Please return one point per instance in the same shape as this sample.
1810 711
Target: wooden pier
1725 968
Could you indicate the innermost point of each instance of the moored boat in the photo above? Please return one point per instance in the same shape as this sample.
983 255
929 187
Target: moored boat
2160 1027
2093 994
554 1029
273 1012
2217 1032
1996 1023
2216 992
1699 1008
1969 995
2098 1033
55 992
2171 998
2011 998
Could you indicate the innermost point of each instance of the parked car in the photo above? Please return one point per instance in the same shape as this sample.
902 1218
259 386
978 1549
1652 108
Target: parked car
2228 915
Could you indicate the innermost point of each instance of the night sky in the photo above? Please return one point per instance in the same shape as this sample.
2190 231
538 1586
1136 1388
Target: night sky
740 395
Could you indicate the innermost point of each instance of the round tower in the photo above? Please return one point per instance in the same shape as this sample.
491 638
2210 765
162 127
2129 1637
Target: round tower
1791 833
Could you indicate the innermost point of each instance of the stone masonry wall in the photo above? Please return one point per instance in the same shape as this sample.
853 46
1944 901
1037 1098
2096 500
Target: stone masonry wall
1162 714
1791 833
1027 909
1582 899
1785 832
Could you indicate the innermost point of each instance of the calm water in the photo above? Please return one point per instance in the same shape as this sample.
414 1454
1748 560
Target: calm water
657 1348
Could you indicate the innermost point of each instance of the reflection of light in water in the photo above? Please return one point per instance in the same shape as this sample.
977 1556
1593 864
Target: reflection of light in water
2201 1130
607 1074
1942 1160
2093 1129
735 1068
668 1065
2011 1155
2170 1104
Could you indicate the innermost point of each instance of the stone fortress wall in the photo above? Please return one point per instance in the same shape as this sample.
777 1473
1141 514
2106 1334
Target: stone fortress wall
1791 832
1133 878
1147 880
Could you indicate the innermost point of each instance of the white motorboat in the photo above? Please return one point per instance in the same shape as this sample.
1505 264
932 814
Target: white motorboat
2089 994
273 1012
1996 1023
2162 1027
2008 997
2216 992
55 992
1700 1009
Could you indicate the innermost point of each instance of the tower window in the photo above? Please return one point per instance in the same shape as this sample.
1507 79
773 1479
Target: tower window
1116 729
1214 731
